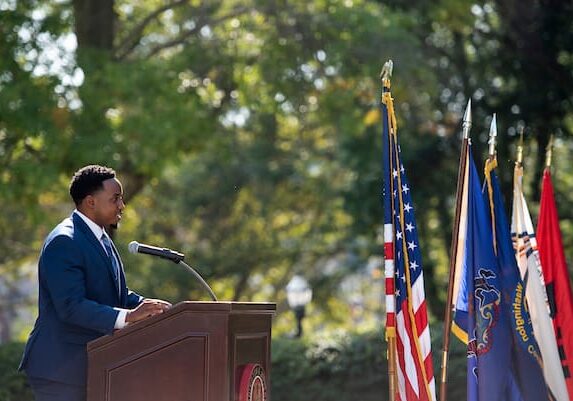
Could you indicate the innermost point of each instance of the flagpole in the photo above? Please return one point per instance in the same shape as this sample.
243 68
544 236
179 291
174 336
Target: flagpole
392 388
385 75
466 125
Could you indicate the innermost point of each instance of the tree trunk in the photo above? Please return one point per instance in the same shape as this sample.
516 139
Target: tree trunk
94 25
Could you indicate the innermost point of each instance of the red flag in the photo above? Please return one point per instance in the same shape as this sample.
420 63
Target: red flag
556 277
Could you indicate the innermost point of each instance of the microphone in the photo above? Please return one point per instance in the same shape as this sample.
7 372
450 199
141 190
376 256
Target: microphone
174 256
165 253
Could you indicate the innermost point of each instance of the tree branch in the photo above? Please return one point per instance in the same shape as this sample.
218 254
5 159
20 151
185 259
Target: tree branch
132 39
185 35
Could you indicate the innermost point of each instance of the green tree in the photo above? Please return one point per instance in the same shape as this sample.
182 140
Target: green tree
247 132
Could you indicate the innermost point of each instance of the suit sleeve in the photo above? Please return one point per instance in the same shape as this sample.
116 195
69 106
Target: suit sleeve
62 272
133 299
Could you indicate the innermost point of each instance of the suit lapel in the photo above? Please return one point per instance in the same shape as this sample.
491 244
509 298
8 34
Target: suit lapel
89 235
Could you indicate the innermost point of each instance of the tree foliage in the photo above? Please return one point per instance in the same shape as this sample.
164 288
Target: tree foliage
247 132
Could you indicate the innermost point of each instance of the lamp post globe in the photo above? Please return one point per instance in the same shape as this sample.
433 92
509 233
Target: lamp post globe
299 294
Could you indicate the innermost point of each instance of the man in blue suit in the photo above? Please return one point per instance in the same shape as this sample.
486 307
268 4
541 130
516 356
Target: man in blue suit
82 289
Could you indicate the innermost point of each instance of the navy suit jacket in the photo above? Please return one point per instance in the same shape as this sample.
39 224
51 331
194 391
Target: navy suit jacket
78 289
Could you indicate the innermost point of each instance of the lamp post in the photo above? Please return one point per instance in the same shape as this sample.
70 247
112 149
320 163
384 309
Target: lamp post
299 295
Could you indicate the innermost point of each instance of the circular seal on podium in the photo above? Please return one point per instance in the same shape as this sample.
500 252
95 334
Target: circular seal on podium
251 383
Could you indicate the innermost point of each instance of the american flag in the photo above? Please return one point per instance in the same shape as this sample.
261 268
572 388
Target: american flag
405 299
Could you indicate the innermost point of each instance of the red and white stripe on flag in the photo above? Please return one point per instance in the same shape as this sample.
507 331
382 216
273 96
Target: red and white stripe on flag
414 349
389 278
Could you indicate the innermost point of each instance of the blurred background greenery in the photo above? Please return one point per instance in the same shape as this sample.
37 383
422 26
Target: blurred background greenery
247 135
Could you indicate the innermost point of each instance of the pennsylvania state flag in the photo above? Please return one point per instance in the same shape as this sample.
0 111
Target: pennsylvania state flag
483 317
526 360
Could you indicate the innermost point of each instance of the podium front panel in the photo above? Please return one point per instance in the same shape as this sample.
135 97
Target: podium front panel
170 367
166 361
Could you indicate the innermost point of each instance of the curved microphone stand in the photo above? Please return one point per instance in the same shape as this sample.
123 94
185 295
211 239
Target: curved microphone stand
198 277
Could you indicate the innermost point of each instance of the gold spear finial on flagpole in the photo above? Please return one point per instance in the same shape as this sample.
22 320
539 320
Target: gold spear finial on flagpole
467 120
492 136
549 152
520 146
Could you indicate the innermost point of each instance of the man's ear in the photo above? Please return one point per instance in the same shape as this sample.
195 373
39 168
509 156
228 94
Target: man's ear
89 202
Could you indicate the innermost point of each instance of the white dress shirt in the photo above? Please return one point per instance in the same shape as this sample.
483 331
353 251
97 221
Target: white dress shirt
98 231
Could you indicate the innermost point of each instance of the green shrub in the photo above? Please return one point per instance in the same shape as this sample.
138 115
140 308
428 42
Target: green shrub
340 367
13 384
348 367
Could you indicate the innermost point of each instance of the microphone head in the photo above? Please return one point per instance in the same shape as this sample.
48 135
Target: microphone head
133 246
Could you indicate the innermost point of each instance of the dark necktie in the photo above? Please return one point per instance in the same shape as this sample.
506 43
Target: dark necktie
113 259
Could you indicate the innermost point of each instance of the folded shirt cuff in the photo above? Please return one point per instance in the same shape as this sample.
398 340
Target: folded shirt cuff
120 322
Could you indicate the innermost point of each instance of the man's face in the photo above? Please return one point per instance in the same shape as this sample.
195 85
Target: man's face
108 203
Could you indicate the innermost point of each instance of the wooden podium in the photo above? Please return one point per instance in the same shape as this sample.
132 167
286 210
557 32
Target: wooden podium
193 352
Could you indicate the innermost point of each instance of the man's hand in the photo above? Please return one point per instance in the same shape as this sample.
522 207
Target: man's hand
147 308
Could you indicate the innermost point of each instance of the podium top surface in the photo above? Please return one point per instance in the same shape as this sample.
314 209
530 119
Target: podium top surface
225 307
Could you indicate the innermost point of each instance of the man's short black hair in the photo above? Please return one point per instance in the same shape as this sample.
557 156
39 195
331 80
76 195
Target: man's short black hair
87 180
